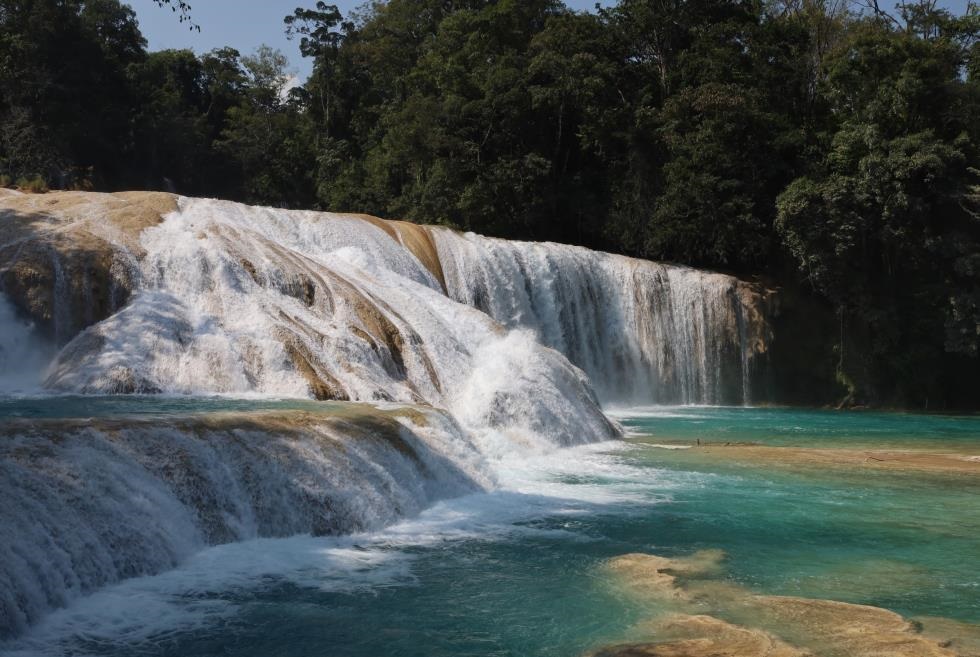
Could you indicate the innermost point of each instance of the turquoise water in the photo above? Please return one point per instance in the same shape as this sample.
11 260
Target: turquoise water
518 571
82 406
802 427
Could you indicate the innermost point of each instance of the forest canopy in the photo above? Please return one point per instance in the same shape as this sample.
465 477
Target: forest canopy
827 148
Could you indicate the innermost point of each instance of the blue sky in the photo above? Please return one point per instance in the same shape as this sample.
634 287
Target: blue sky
247 24
243 24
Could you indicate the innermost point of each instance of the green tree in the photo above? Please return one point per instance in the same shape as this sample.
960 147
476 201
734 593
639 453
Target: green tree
63 109
170 142
724 165
886 224
266 135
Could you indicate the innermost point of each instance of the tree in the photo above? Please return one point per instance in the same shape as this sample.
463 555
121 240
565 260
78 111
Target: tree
724 163
266 134
828 147
886 224
170 148
64 105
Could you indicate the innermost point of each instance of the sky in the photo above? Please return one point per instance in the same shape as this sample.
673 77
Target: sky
242 24
247 24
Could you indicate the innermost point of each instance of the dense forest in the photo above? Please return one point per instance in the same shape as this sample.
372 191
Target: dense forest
825 148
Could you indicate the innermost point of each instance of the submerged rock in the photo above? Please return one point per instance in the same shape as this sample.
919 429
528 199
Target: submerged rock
705 636
785 456
841 628
653 576
696 616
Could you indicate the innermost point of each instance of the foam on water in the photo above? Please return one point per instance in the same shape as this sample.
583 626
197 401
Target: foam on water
246 302
209 587
685 412
202 591
24 355
643 331
529 547
87 506
237 299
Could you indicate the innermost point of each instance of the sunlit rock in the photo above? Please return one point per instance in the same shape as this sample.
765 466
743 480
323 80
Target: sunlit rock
70 259
705 636
687 599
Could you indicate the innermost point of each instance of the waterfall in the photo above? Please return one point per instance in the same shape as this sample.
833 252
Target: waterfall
644 332
462 350
222 297
236 299
23 354
88 504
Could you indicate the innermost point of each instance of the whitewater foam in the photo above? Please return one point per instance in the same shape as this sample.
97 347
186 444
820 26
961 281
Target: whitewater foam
24 355
642 331
237 299
211 586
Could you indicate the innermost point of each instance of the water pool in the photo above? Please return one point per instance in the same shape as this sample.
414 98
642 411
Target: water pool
520 570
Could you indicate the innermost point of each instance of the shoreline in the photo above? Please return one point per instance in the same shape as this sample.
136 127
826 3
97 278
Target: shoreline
948 462
694 611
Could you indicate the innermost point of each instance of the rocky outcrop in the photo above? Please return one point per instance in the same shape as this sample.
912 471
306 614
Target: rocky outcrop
418 239
653 577
705 636
70 259
696 614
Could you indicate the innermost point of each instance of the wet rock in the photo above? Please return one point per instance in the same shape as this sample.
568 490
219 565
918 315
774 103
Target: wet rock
653 576
841 628
766 625
705 636
69 259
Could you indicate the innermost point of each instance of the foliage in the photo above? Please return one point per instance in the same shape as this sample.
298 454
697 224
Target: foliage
885 224
183 11
32 184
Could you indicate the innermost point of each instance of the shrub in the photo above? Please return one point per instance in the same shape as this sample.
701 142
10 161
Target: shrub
34 185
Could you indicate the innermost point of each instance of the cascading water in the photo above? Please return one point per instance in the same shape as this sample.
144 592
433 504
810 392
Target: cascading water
456 342
23 354
237 299
228 299
86 506
644 332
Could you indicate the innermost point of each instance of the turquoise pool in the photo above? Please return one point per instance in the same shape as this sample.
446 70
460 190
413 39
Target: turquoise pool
518 571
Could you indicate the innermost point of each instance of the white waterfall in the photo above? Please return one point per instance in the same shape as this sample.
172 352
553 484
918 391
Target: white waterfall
471 350
23 354
238 299
644 332
88 504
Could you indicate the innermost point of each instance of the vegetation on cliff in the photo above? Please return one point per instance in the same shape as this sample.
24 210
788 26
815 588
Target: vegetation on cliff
831 150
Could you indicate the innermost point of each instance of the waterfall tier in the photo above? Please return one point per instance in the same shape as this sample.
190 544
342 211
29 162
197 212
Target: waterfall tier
86 504
231 298
469 350
643 331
